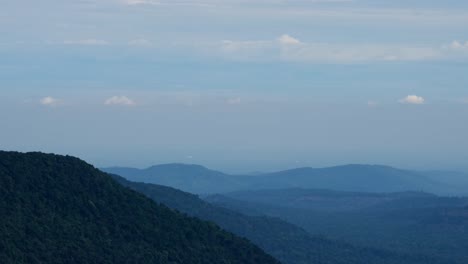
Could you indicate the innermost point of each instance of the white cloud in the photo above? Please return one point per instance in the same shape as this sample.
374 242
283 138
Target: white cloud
50 101
288 40
140 42
372 103
234 101
119 100
141 2
181 3
412 99
217 3
458 45
90 42
457 49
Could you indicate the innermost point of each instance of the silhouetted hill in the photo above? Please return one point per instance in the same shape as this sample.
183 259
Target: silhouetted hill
57 209
286 242
353 178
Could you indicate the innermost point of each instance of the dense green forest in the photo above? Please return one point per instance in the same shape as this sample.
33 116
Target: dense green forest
57 209
286 242
407 223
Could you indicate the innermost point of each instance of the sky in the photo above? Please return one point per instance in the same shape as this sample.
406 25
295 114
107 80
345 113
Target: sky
237 85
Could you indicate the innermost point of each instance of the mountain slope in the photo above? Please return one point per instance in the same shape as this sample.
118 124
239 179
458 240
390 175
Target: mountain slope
286 242
58 209
326 200
408 223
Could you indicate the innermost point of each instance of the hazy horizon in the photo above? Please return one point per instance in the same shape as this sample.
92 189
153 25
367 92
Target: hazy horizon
251 168
247 171
237 85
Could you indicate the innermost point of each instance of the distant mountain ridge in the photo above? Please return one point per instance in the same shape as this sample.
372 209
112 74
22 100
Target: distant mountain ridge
354 178
187 177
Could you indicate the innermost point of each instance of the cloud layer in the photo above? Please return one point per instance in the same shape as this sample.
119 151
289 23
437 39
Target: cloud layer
289 48
119 100
288 40
87 42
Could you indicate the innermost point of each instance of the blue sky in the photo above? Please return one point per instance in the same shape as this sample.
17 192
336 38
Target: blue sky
237 85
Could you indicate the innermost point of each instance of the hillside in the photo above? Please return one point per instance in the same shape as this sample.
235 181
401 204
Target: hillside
408 223
58 209
352 178
326 200
286 242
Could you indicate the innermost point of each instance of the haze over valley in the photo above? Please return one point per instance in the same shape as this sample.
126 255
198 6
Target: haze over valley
234 132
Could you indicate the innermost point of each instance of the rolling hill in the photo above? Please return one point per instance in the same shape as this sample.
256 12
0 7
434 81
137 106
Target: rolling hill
288 243
335 201
352 178
408 223
58 209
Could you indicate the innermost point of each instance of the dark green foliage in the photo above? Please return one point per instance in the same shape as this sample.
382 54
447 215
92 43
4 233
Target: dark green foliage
57 209
286 242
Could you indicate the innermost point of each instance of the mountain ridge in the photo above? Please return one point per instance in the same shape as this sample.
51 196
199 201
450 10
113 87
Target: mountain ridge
351 177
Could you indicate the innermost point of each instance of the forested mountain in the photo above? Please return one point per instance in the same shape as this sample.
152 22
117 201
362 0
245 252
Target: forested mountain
286 242
189 178
408 223
57 209
353 178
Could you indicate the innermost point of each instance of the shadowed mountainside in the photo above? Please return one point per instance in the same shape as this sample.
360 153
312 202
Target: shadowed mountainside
57 209
408 223
288 243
